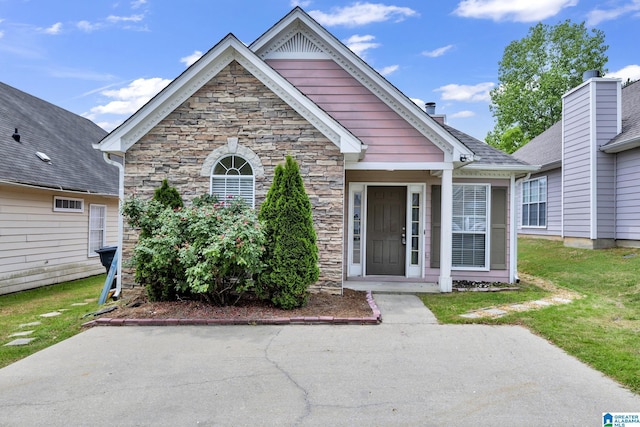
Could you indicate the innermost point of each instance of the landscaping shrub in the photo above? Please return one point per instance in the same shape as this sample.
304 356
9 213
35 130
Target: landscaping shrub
168 196
222 251
211 251
291 253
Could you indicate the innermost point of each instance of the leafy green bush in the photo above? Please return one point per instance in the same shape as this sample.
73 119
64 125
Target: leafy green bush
211 251
222 252
291 255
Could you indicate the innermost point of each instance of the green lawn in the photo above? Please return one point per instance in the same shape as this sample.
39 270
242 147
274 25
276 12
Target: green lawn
26 307
602 328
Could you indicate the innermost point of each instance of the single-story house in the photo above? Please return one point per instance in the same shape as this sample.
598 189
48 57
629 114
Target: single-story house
585 192
58 197
396 193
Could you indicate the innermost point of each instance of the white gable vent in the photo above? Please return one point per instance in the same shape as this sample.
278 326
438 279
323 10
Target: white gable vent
299 46
43 157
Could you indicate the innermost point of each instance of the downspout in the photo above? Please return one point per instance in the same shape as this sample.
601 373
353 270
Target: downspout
107 158
513 236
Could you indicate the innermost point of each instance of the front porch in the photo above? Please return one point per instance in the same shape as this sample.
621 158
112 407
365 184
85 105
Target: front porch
389 285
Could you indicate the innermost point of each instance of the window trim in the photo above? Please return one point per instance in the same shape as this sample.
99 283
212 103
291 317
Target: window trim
523 203
92 253
237 177
62 198
486 232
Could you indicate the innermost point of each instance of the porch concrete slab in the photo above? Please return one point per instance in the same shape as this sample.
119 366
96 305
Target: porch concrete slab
407 374
392 287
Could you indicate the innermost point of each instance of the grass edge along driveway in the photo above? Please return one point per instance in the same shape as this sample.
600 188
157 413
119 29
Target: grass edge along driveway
71 299
601 327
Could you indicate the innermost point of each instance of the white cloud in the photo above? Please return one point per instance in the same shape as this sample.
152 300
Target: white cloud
190 59
597 16
462 114
301 3
630 72
386 71
361 14
132 18
1 34
360 44
54 29
136 4
129 99
512 10
419 102
437 52
87 26
476 93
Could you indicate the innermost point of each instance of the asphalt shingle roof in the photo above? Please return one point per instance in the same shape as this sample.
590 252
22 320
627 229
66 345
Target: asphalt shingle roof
630 104
544 149
488 154
64 137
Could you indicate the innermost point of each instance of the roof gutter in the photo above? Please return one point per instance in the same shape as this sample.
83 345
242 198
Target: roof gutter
619 146
51 188
120 166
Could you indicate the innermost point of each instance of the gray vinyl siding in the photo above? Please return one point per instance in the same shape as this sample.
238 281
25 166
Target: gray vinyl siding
554 205
606 128
576 163
627 195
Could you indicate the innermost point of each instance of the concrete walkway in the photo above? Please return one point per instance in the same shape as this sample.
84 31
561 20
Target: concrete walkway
407 371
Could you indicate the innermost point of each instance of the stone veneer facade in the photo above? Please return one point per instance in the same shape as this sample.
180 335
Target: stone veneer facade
236 108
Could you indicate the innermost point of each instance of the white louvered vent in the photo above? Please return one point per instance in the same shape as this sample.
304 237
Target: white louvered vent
298 44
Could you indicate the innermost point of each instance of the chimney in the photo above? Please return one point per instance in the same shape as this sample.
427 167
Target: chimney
591 117
589 74
16 135
430 108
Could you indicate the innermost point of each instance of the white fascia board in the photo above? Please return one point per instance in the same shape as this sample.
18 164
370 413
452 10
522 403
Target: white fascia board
502 168
400 166
371 79
619 146
185 85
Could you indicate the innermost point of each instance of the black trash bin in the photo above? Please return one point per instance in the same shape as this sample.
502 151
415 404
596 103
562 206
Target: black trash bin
106 255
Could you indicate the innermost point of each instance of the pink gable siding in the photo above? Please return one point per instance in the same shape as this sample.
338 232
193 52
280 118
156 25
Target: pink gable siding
389 137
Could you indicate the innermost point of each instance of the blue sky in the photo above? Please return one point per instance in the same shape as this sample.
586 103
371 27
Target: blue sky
104 59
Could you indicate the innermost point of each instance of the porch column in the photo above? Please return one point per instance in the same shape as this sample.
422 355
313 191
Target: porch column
446 214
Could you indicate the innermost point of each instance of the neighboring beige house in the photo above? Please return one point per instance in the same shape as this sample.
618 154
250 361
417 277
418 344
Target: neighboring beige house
397 194
58 198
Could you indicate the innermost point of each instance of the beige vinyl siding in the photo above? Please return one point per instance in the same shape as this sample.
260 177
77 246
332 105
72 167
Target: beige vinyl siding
40 247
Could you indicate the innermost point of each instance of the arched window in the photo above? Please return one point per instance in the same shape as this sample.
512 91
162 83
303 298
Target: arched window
233 176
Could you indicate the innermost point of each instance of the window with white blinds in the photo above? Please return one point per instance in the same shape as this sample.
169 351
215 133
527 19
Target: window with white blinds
97 228
233 176
470 225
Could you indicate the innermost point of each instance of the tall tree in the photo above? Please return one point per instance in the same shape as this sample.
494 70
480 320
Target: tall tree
533 75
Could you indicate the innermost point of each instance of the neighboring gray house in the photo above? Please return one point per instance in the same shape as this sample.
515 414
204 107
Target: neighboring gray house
58 198
585 192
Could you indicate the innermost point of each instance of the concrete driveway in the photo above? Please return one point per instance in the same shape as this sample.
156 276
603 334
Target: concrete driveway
408 371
